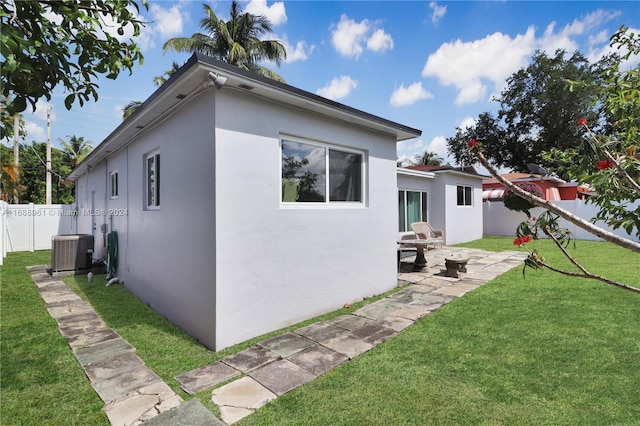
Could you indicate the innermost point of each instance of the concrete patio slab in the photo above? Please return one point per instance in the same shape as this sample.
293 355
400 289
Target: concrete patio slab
242 393
281 376
142 404
250 359
189 413
374 311
456 290
103 350
321 331
206 377
348 322
61 295
125 383
412 313
230 415
374 333
78 319
78 329
111 367
318 359
286 344
348 345
92 338
394 322
68 307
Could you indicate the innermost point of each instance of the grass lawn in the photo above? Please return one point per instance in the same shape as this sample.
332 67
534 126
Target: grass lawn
541 350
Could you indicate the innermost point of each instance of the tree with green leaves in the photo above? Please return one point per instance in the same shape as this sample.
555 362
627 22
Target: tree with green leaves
76 149
47 44
607 159
538 111
238 41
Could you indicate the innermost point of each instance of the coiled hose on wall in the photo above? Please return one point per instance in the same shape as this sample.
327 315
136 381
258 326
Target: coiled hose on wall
111 263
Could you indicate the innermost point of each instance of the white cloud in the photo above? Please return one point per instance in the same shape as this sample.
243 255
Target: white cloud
438 12
438 145
300 52
338 88
409 95
469 66
34 131
467 122
482 66
349 37
276 13
380 41
168 22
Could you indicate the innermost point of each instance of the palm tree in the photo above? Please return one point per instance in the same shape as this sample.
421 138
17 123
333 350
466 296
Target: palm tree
130 108
159 80
427 159
76 149
236 41
162 79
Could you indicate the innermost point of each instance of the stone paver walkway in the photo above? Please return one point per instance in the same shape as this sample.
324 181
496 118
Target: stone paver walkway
134 394
278 365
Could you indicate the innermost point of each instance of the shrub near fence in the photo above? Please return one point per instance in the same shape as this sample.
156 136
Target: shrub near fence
29 227
498 220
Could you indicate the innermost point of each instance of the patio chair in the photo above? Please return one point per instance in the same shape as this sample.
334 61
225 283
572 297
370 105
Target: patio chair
405 247
424 231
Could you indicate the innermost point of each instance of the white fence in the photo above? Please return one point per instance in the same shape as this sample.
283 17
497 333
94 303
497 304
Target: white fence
498 220
29 227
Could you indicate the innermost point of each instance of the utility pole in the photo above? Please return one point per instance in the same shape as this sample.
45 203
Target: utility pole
48 182
16 156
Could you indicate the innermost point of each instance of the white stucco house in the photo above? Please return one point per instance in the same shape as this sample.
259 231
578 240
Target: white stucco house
243 205
449 199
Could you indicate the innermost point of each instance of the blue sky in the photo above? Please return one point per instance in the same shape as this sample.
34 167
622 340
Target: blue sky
430 65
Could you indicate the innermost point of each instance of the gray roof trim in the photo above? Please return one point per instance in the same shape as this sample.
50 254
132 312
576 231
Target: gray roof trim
274 88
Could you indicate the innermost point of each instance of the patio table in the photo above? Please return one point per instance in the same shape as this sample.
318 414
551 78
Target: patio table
420 262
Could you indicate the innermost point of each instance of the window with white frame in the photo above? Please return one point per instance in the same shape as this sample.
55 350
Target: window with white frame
318 173
464 195
114 184
412 207
152 180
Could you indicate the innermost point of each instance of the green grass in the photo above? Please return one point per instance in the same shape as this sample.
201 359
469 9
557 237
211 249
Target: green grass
543 349
41 381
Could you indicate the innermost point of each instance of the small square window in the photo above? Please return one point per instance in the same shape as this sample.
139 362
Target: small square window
464 195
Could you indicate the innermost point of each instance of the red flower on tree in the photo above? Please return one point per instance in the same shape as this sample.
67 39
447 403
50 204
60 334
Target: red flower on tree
582 122
522 240
604 164
473 143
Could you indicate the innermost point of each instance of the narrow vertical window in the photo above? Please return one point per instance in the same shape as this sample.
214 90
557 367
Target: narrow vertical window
153 180
114 184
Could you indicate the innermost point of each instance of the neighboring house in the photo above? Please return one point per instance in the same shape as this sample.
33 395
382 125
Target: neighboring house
245 205
448 198
552 188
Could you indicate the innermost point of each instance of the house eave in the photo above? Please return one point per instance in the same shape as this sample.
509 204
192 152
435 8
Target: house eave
193 78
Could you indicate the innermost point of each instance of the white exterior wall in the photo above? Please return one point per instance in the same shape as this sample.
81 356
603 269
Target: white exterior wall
167 256
461 223
278 265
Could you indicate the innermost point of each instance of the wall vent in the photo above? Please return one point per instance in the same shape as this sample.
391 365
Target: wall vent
71 252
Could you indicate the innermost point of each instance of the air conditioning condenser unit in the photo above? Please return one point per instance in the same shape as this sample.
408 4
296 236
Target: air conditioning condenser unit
71 252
